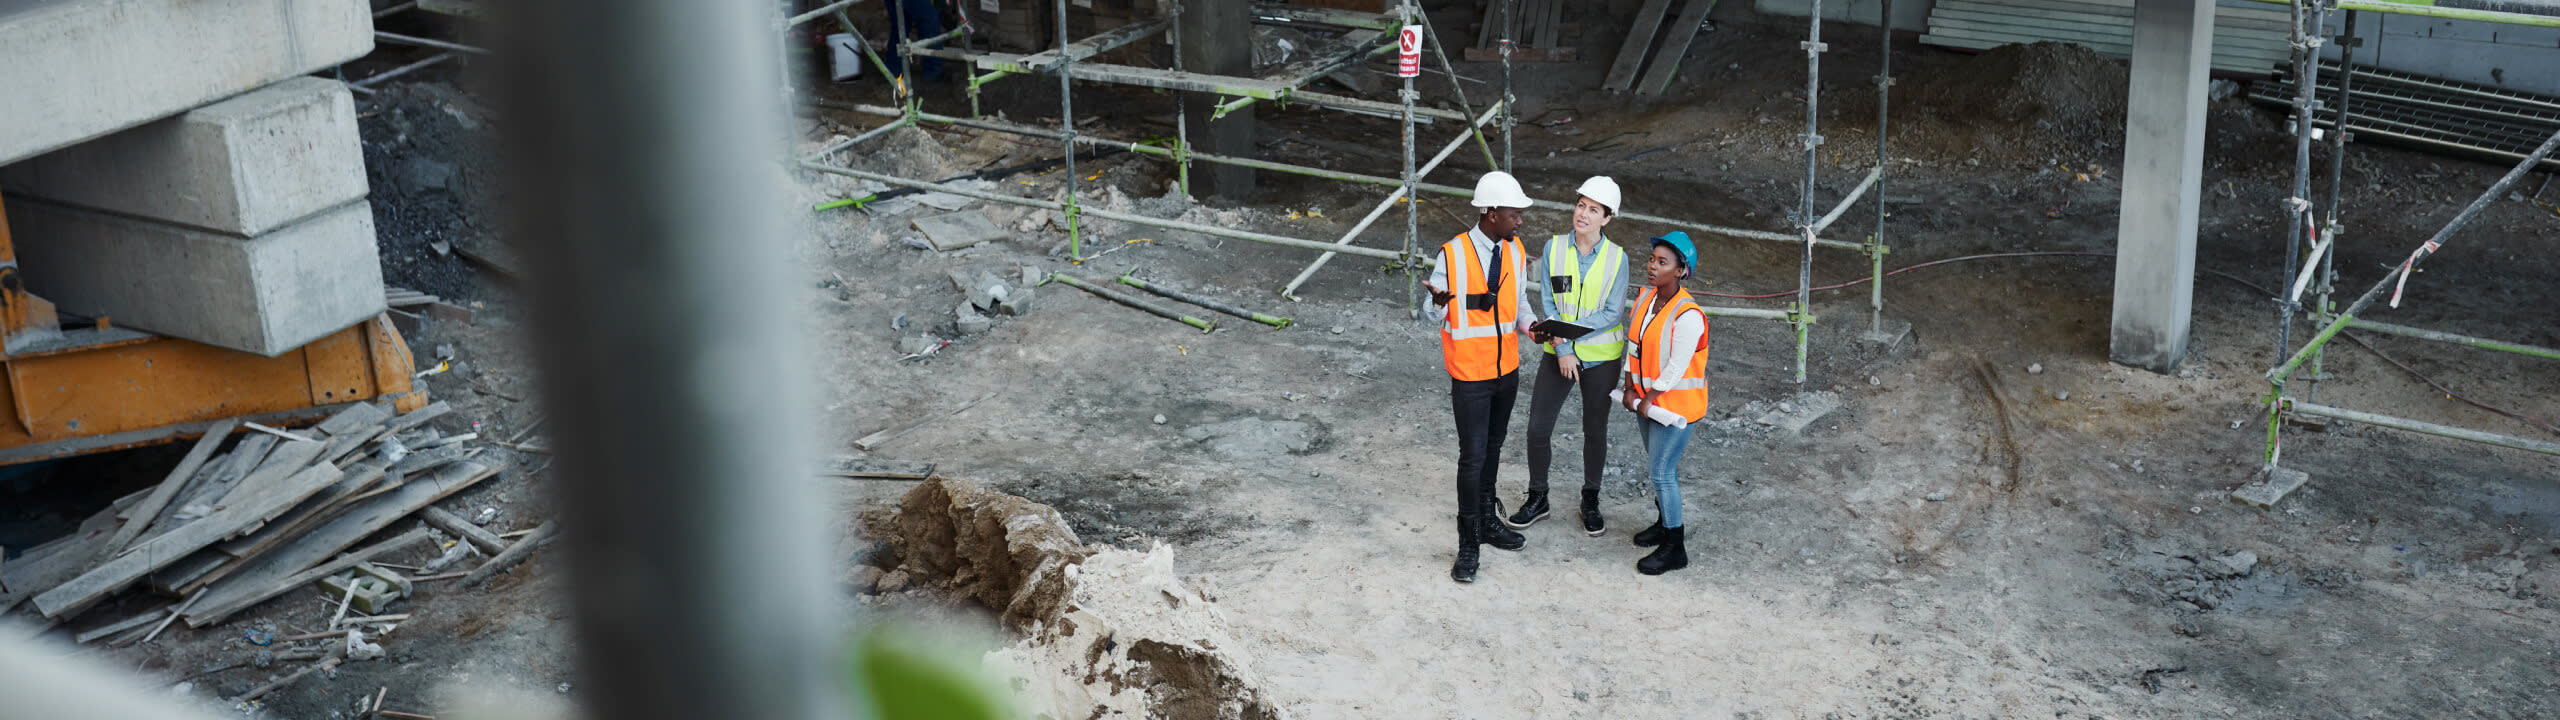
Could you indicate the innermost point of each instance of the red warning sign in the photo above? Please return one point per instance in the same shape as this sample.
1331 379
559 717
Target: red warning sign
1409 51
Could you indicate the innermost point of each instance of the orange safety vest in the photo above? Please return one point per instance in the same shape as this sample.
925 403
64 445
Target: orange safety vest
1477 343
1684 394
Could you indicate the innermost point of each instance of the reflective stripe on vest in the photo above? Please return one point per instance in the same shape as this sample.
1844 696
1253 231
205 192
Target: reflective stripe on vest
1588 294
1684 393
1477 343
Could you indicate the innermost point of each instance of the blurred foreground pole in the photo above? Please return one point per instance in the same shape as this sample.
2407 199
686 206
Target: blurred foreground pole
644 141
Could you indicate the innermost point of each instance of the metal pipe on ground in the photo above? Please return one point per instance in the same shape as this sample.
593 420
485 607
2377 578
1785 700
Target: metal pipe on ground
2304 408
2446 337
1132 301
398 39
696 554
431 61
1111 215
1131 280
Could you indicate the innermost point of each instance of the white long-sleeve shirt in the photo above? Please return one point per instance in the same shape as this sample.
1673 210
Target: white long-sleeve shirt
1517 274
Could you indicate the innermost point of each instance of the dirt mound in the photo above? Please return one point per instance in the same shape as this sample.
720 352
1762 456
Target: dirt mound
426 156
1101 631
1136 642
2014 100
1009 554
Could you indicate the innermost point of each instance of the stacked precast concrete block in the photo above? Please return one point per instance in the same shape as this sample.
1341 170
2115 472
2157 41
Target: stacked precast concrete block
189 180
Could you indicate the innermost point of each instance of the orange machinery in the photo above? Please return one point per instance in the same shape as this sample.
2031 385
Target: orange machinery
96 387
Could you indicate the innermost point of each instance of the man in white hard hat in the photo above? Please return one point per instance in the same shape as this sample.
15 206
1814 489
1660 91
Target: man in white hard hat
1585 281
1477 290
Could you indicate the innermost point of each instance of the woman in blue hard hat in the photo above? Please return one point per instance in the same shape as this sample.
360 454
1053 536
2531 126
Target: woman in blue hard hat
1666 389
1585 284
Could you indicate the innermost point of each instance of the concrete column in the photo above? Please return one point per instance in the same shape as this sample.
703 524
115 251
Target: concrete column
1217 39
2163 177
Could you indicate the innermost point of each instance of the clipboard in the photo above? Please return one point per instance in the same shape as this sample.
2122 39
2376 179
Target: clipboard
1561 329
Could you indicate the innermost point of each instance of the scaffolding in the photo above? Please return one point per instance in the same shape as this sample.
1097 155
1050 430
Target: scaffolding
1362 36
2316 274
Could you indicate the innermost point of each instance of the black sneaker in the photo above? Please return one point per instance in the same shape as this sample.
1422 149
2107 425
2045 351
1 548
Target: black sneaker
1531 511
1591 524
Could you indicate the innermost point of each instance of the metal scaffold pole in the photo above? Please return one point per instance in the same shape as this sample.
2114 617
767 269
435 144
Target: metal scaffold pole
1803 310
1457 84
1412 209
1181 105
2306 77
1875 244
1067 130
1509 101
2326 281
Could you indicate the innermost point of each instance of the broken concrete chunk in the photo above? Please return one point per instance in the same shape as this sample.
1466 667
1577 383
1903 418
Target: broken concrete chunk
1019 303
2237 564
1800 412
2267 491
958 230
972 323
1030 276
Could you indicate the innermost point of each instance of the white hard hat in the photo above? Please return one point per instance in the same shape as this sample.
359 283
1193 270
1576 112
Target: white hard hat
1601 190
1498 190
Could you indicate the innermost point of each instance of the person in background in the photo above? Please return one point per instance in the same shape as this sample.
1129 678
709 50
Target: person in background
922 20
1666 389
1476 289
1586 284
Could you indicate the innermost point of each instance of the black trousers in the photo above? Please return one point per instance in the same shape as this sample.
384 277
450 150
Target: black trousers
1546 401
1483 411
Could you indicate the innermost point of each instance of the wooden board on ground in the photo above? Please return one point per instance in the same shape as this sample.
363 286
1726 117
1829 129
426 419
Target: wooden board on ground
44 566
365 519
418 417
219 477
358 415
288 460
957 230
250 596
1622 72
142 514
244 510
855 467
1675 47
479 537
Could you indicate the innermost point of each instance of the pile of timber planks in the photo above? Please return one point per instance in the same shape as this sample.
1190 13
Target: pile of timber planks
2246 40
231 528
1537 32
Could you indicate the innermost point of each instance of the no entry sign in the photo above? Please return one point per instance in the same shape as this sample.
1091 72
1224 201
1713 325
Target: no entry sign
1409 51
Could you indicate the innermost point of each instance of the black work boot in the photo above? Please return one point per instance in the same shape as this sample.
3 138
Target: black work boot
1531 511
1672 555
1652 534
1464 570
1491 532
1591 524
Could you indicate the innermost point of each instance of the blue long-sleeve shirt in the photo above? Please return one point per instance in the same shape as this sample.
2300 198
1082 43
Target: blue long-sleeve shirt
1613 304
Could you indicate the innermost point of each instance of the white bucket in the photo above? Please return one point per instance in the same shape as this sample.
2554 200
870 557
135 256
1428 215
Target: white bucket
845 54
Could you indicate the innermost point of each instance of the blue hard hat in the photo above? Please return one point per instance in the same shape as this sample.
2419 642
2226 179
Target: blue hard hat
1679 242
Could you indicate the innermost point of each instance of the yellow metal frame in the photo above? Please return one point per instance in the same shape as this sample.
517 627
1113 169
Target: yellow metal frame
99 388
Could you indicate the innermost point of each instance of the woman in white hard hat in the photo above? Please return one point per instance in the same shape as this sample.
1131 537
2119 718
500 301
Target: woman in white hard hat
1476 288
1585 284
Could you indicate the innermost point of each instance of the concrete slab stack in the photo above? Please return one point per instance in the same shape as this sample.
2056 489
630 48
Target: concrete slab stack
240 224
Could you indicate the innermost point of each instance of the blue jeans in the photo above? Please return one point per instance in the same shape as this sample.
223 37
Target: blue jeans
1662 446
926 22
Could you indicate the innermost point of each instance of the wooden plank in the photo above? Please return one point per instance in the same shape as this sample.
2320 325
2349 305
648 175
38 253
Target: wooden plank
479 537
877 439
44 566
287 461
866 468
1551 25
240 588
418 417
1675 47
178 577
81 592
121 626
357 479
1631 53
219 478
515 554
356 416
279 432
142 514
244 599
